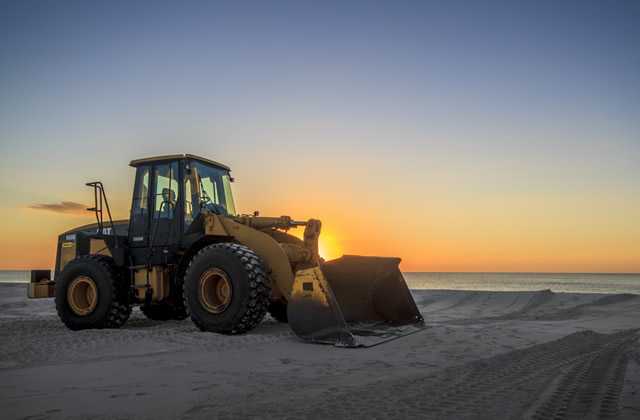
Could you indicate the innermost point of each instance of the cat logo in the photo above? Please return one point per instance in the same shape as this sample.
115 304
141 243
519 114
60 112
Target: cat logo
105 231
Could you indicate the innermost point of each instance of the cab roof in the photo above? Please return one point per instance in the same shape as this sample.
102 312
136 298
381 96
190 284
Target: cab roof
154 159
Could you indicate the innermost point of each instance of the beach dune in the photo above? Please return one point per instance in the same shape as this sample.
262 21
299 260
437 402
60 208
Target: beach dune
483 355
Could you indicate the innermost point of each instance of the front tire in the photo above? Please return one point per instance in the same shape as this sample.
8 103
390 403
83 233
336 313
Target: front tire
227 289
92 293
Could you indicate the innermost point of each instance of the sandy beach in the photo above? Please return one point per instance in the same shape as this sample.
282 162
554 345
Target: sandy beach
483 355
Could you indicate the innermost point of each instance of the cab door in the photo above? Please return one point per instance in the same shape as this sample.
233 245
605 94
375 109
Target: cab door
140 209
165 222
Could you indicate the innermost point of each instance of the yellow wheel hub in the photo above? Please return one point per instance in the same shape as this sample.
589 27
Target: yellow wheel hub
215 290
82 295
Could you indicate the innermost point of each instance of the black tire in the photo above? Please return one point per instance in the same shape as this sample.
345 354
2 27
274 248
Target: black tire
278 311
250 288
178 303
112 308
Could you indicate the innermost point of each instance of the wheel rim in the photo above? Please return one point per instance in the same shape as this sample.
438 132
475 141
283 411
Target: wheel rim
82 295
215 290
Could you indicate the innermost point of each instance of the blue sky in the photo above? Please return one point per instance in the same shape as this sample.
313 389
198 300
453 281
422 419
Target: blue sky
464 101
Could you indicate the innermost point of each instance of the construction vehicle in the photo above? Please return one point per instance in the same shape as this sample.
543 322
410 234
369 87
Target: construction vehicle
184 252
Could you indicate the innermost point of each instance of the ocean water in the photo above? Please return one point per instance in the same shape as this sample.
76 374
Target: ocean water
556 282
560 282
12 276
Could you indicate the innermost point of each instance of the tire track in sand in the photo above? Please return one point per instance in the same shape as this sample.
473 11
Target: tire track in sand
590 388
591 367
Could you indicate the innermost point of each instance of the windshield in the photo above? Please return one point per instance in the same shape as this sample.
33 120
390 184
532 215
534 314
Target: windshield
212 188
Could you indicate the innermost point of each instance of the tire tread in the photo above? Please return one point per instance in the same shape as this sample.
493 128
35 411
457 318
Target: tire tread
259 287
119 308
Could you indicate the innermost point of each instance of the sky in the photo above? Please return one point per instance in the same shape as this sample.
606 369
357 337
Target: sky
459 136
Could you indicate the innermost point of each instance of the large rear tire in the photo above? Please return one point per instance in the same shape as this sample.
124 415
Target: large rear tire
227 289
92 293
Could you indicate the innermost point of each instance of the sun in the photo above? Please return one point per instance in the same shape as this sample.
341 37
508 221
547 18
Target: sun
328 245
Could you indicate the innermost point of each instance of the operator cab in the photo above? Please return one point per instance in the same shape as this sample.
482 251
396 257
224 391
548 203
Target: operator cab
170 193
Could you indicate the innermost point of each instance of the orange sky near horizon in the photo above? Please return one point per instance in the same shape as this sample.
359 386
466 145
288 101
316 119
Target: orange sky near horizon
449 231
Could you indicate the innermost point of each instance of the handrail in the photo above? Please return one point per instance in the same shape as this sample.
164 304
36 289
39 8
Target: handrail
100 202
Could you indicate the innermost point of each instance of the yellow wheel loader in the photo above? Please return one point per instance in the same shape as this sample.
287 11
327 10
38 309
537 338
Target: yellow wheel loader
184 252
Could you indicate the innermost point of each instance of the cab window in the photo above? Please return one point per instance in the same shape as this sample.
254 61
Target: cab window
166 190
213 189
188 202
141 198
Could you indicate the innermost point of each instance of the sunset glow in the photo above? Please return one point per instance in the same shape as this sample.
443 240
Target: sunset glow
402 130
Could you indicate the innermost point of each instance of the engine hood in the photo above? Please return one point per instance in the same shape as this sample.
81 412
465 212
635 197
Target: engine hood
121 227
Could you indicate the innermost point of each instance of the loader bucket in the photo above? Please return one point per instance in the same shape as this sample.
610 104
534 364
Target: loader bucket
353 301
